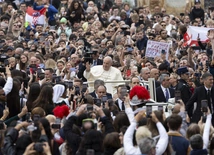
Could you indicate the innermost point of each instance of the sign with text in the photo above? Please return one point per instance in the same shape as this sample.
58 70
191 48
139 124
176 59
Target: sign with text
155 49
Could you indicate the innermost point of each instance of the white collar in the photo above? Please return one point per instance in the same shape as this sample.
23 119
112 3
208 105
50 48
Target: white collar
207 88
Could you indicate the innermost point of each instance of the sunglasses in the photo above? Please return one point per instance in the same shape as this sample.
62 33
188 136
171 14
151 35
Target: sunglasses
163 25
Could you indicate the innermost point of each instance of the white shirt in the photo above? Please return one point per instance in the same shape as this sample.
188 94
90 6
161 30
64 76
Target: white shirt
164 91
97 72
120 102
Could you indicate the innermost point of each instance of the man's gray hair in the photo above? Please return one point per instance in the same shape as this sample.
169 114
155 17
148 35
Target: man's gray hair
162 77
206 75
146 144
98 82
144 69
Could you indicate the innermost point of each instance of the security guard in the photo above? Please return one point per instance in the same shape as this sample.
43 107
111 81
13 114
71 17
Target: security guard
183 86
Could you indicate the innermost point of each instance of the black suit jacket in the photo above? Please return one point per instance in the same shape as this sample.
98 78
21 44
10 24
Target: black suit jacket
186 93
116 103
161 96
200 93
93 94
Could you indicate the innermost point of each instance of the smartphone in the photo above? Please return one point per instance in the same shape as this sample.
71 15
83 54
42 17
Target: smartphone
104 99
69 84
54 76
97 102
204 105
177 96
148 111
25 81
89 108
77 90
84 88
28 116
160 108
56 126
58 79
123 92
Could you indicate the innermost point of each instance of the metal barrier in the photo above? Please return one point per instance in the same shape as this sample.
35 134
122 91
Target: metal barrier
151 84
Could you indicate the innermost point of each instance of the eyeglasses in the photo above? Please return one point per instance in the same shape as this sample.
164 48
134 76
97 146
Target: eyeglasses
163 25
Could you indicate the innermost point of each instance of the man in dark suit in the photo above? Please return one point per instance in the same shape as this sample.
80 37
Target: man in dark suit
100 90
120 101
163 92
95 56
182 85
205 92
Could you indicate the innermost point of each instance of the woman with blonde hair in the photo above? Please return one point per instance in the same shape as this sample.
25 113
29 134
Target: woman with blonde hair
50 63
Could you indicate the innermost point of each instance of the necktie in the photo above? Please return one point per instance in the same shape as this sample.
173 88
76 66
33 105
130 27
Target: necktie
210 100
167 95
95 63
123 106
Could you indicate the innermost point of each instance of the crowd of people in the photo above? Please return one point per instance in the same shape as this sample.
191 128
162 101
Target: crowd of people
77 84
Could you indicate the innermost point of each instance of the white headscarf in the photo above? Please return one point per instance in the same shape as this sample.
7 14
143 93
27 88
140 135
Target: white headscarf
58 91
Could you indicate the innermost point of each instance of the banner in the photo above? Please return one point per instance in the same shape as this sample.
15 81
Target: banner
191 37
155 49
35 17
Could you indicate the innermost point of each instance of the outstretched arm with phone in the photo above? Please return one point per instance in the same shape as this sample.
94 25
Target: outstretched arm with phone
9 84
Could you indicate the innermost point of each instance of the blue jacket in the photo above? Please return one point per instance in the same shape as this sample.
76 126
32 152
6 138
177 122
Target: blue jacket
179 144
51 10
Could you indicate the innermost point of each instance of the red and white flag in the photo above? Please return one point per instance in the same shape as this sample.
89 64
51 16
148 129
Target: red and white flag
191 36
35 16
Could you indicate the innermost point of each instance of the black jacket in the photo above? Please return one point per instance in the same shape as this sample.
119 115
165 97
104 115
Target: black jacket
184 88
200 93
160 94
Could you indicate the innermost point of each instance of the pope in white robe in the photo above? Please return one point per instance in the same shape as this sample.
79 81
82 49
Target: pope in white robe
104 72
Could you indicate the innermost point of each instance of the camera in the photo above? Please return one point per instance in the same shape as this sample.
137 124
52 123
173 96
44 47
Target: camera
3 57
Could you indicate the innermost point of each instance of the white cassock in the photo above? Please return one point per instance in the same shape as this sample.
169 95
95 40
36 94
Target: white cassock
97 72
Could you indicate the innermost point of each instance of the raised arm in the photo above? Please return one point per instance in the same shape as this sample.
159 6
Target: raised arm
9 84
163 140
206 133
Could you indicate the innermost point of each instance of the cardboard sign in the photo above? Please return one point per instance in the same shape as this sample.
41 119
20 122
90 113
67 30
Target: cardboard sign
155 49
